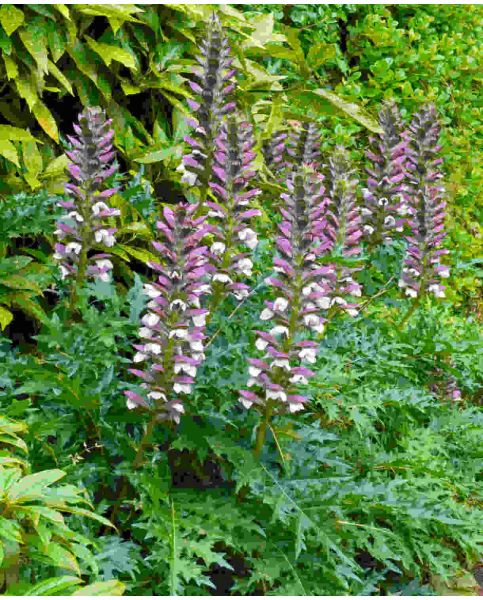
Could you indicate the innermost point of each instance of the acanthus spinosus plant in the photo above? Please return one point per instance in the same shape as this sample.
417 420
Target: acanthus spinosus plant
274 152
303 146
173 328
384 198
213 87
86 225
232 212
293 312
422 269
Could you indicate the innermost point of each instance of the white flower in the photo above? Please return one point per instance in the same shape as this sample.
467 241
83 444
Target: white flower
308 354
178 304
280 304
218 248
389 221
145 332
282 363
59 233
368 229
188 369
182 388
437 290
198 355
293 408
178 407
299 379
314 323
251 382
444 274
222 278
411 293
240 294
182 334
254 371
99 207
307 290
261 344
266 314
104 263
189 178
352 312
130 404
279 330
245 266
75 215
366 194
196 345
365 212
151 291
102 235
323 302
174 274
154 348
402 283
383 202
338 300
63 272
248 237
73 247
246 403
150 320
276 395
104 276
199 320
157 396
139 357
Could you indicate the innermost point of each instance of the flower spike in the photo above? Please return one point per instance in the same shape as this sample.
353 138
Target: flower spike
172 332
422 269
85 225
384 201
294 311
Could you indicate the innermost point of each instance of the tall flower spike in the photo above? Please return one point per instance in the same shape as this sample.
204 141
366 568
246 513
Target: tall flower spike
85 227
422 269
343 230
172 332
303 146
213 86
233 171
384 201
293 312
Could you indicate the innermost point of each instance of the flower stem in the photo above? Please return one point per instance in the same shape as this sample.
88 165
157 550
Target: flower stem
79 281
262 431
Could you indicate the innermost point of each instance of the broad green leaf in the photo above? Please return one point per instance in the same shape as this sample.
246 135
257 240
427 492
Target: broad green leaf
64 11
14 441
5 317
11 18
75 510
36 46
319 53
8 150
157 155
263 32
27 91
31 486
61 78
112 587
50 587
143 255
17 282
32 158
8 132
46 120
108 53
10 530
10 67
349 108
61 557
56 168
11 460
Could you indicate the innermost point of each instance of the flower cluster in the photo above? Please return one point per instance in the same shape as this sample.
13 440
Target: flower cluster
422 267
232 213
86 226
295 309
342 231
213 87
384 200
172 335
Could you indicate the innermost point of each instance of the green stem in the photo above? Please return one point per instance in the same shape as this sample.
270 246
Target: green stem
79 281
262 432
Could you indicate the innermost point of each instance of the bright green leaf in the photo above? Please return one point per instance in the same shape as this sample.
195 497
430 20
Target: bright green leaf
11 18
